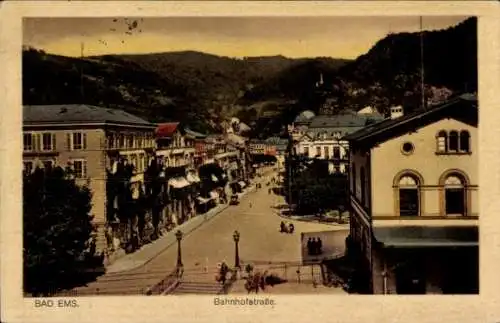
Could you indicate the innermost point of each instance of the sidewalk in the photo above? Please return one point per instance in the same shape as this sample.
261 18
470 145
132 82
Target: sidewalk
150 251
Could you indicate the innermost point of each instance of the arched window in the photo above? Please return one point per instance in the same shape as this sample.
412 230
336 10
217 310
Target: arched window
455 197
362 184
442 141
409 195
453 141
464 141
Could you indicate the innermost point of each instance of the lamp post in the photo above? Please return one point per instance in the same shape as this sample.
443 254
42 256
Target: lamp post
236 237
178 235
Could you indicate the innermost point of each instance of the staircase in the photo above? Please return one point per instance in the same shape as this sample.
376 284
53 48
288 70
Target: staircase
198 283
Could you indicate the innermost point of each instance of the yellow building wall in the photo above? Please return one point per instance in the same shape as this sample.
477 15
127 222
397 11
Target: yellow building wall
387 160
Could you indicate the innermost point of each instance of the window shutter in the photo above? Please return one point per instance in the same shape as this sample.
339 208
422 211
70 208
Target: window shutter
84 140
53 135
68 141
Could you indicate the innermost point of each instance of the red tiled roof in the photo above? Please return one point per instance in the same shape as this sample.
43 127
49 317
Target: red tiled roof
166 129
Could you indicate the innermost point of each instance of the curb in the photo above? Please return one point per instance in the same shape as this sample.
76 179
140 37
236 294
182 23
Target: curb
310 221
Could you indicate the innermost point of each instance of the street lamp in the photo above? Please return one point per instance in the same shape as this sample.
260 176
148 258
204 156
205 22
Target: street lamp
236 237
178 235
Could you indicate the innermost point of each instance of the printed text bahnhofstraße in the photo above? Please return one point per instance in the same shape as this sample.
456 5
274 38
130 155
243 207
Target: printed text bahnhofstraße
244 301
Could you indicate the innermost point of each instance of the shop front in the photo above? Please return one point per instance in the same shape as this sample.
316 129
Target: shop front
426 260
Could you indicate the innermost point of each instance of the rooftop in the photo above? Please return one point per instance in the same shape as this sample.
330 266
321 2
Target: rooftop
166 130
389 123
343 120
78 113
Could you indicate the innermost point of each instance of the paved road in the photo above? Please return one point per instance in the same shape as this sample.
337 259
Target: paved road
211 243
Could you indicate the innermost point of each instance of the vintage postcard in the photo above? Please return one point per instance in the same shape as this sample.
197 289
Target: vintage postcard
194 161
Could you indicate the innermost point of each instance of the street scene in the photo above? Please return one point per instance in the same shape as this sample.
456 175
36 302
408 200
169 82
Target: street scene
189 166
282 255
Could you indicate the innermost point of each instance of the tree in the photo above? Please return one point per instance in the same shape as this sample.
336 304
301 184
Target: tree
59 251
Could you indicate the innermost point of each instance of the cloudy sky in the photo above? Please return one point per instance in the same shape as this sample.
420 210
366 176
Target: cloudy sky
342 37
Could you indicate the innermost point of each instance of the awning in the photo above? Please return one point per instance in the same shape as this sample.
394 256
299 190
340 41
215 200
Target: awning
193 178
203 200
214 195
427 237
178 182
242 184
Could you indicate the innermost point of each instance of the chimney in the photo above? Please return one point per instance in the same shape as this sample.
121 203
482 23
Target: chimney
396 112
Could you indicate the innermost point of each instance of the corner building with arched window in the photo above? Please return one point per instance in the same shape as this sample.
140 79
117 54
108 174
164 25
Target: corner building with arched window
414 201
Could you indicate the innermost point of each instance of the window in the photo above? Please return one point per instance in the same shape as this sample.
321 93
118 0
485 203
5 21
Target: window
141 142
111 141
130 141
362 182
453 141
327 152
80 168
407 148
48 141
442 141
336 152
78 141
121 141
28 167
306 151
409 197
47 164
318 151
464 141
454 195
28 142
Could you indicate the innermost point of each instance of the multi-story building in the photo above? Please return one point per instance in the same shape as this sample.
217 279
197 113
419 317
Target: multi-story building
257 147
95 142
414 200
278 147
323 137
176 156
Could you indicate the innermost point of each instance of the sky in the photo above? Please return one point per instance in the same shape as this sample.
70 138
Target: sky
340 37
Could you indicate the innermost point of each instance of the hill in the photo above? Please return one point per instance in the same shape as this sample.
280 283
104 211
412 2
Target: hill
267 92
53 79
390 73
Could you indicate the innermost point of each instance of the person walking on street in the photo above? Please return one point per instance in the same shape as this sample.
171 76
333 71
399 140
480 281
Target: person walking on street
320 246
309 246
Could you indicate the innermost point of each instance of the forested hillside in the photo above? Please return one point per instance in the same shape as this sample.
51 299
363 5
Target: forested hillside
266 92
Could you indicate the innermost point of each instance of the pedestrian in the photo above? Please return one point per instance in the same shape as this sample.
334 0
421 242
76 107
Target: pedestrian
314 246
309 246
320 246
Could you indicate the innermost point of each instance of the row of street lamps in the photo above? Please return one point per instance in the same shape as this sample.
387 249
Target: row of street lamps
236 238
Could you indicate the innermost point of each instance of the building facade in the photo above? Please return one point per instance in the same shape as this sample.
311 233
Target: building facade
175 154
323 137
94 142
414 200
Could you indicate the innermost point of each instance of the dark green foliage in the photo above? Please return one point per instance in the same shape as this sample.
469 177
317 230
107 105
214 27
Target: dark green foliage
389 74
312 188
261 158
58 252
